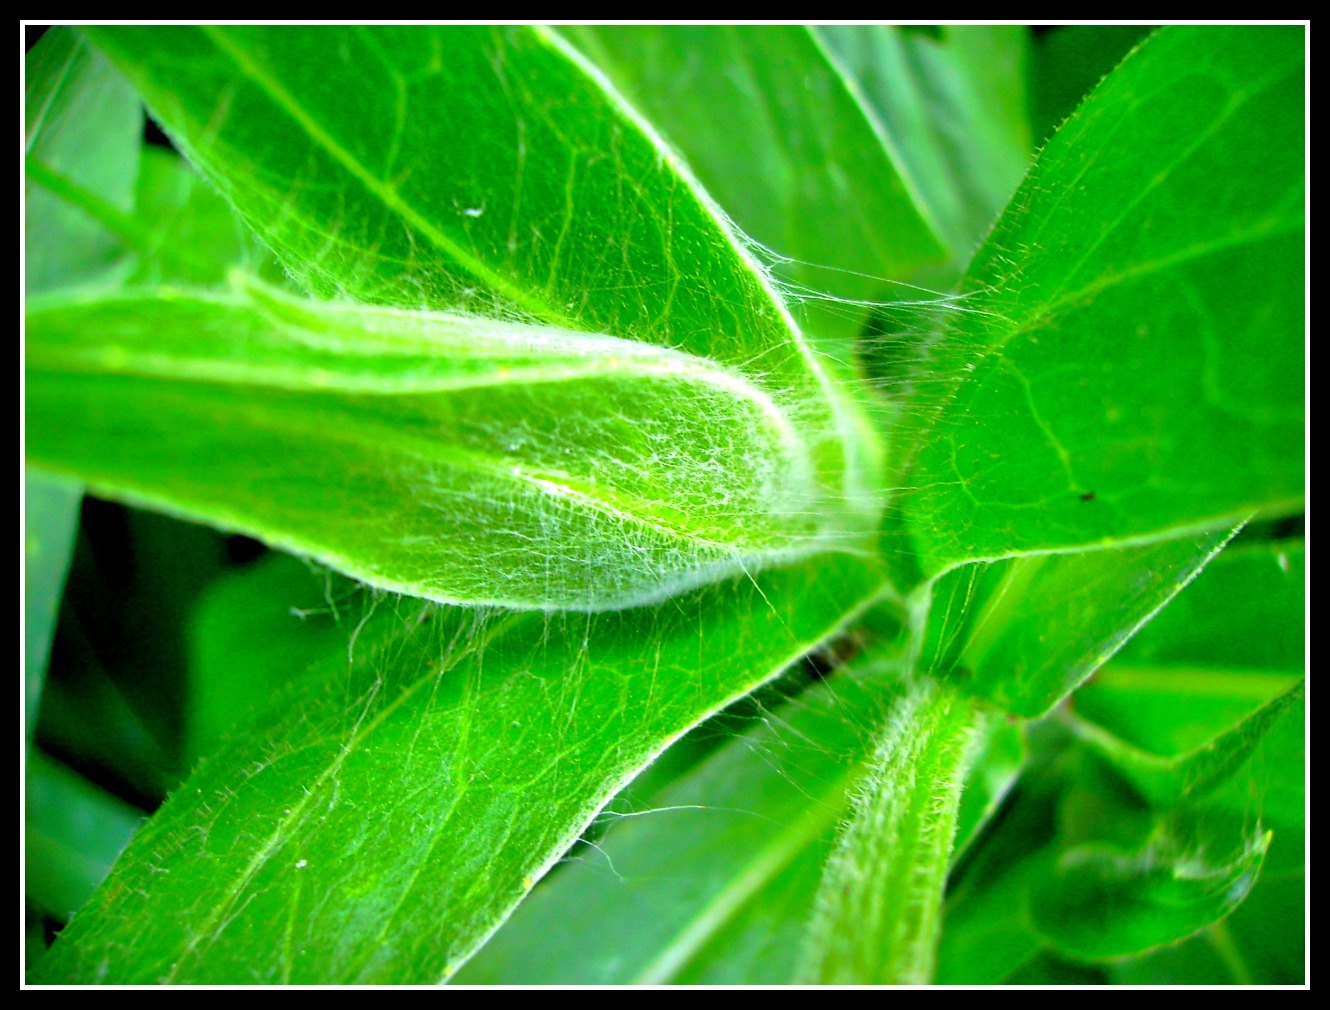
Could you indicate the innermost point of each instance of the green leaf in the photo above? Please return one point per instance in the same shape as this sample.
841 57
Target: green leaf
702 880
1166 781
1132 359
950 106
190 235
82 129
387 814
565 469
783 138
1068 62
453 182
1187 701
73 832
250 631
50 520
1101 902
711 878
1026 632
878 911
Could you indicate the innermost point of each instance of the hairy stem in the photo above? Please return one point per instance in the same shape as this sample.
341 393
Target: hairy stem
879 904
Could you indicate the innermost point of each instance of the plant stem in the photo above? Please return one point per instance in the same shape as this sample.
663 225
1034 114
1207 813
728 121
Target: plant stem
878 908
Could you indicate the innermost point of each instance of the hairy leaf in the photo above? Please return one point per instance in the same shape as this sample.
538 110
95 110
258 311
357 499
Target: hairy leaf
390 811
446 456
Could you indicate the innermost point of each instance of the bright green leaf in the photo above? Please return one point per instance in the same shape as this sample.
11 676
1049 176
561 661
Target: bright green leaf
1101 903
451 181
878 912
1189 698
712 878
389 813
190 235
1133 357
1166 781
674 887
1067 62
1026 632
446 456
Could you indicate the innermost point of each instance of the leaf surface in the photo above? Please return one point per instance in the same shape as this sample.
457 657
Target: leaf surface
878 911
388 813
711 878
453 181
437 454
1132 362
949 104
783 139
1026 632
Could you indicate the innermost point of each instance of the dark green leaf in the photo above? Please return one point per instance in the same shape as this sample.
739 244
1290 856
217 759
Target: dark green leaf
50 519
73 832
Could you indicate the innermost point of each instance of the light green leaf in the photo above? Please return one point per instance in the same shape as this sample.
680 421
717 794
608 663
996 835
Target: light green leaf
189 234
388 813
783 139
437 454
83 125
949 103
878 912
1101 902
1026 632
73 832
50 521
700 881
1132 360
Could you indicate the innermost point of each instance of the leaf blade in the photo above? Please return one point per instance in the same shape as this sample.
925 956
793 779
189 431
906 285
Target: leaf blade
450 711
1139 369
